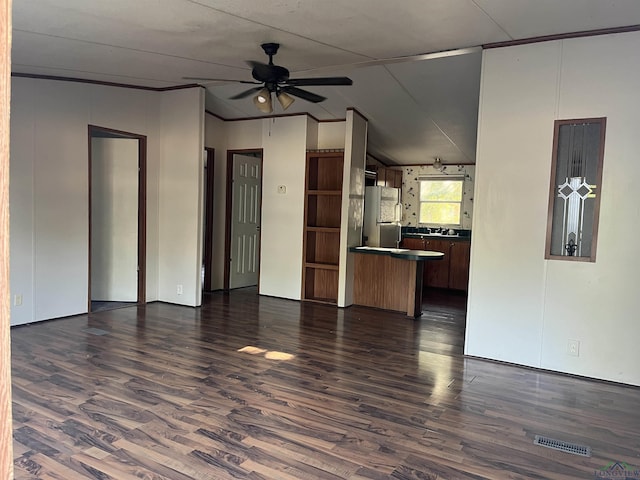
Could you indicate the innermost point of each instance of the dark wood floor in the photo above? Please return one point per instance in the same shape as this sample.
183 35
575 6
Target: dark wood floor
169 392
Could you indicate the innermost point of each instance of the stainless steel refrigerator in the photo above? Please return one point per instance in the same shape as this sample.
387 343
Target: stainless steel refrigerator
382 214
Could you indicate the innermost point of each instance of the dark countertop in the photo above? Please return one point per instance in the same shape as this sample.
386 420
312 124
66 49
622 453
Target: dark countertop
402 253
436 236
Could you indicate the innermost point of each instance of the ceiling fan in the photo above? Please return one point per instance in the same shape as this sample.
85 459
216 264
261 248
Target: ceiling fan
275 79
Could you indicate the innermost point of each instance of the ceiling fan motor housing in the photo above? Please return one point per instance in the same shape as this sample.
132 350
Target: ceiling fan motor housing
276 74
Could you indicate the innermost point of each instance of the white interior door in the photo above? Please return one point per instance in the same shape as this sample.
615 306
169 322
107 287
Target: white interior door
245 223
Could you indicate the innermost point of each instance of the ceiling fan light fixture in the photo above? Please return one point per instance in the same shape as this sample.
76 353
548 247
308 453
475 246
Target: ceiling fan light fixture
284 99
263 101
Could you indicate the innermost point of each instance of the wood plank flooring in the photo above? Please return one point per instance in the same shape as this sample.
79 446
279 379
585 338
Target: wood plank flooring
251 387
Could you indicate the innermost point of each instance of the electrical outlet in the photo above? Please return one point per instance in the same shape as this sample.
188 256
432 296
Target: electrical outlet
17 299
179 289
573 348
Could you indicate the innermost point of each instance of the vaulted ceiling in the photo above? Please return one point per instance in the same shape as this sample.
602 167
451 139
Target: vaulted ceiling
415 70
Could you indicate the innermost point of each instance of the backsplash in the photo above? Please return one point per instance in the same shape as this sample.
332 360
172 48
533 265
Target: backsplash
411 190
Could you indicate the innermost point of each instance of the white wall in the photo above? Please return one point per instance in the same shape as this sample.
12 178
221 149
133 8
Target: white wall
114 219
181 196
284 141
522 308
223 136
331 135
49 187
312 134
137 112
49 184
22 201
411 191
352 217
214 134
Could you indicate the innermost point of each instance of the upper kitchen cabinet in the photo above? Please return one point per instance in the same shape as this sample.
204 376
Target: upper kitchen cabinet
384 177
388 177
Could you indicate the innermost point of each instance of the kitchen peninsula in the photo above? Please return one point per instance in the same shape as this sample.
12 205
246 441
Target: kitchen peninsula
390 278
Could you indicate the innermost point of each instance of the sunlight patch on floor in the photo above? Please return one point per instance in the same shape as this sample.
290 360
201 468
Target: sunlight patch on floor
251 350
278 356
269 355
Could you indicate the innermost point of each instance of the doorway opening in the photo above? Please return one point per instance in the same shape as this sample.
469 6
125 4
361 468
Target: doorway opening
243 217
117 218
207 255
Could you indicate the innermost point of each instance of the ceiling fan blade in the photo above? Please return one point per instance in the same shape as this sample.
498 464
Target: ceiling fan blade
303 94
206 79
320 81
246 93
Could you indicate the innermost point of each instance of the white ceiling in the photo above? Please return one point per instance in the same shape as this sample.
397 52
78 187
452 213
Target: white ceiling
419 107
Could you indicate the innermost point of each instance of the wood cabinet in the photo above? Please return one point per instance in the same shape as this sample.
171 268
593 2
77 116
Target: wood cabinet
413 243
460 254
387 177
323 206
437 274
450 272
397 182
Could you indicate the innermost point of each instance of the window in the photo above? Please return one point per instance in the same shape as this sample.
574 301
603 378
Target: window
441 201
576 189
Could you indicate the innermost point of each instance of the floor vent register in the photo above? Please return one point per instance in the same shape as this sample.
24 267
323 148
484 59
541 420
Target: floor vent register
566 447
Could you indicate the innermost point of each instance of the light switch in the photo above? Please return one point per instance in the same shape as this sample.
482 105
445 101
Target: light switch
282 189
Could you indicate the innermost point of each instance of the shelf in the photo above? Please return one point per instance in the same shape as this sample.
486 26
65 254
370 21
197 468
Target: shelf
323 247
324 171
323 210
324 229
331 301
321 283
322 266
324 192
